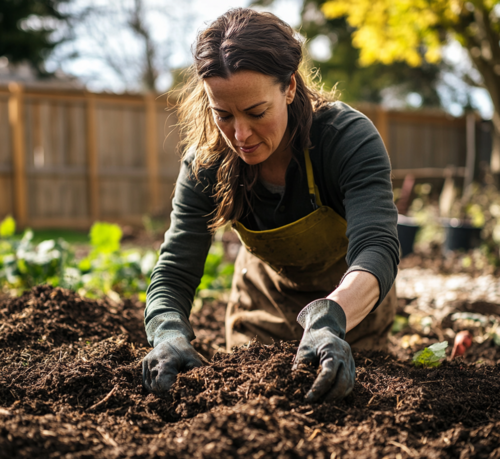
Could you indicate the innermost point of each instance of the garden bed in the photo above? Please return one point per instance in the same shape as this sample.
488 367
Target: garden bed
70 386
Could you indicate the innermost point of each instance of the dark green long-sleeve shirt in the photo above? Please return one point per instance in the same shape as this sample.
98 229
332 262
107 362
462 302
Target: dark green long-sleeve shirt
352 172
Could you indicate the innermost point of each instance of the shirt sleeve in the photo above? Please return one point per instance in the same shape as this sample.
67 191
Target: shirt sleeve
363 171
180 266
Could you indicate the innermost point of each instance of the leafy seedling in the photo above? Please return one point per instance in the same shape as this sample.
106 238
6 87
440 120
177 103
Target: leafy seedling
431 356
7 227
105 237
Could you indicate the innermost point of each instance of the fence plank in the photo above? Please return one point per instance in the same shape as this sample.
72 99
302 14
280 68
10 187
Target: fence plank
19 152
382 124
152 154
169 160
92 159
5 134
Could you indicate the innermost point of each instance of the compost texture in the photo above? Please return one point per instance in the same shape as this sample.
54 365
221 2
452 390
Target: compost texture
70 386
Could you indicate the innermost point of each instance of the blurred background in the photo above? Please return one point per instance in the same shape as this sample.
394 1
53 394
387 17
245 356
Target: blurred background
87 131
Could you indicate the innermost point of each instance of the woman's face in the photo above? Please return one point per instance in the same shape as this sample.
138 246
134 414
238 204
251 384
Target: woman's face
250 110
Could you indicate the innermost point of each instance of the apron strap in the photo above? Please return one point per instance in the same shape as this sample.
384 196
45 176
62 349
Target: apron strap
313 189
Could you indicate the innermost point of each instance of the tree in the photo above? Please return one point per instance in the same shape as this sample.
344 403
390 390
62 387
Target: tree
127 45
367 83
27 30
415 31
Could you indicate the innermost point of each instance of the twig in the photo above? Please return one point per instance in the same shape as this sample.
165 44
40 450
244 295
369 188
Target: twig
105 399
107 439
316 432
403 448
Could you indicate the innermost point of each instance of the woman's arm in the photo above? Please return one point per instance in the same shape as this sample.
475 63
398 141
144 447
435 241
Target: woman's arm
182 258
173 284
357 295
359 171
359 174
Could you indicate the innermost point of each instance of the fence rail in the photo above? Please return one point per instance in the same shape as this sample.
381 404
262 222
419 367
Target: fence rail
69 158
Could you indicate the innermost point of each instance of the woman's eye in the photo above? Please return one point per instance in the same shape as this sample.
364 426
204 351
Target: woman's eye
223 118
227 117
260 115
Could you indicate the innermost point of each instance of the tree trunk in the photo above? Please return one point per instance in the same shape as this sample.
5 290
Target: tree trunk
491 81
485 53
495 146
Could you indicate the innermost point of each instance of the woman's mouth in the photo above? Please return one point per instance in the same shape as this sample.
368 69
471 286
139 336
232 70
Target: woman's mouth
249 148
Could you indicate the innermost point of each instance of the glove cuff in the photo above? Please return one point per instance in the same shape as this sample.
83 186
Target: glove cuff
323 313
168 326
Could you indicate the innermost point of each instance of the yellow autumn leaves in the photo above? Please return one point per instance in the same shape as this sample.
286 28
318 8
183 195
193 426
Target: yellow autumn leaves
402 30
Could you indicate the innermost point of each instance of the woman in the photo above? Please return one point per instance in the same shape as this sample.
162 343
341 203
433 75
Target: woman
305 183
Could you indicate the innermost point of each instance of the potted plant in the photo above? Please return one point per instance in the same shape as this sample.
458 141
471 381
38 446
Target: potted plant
407 226
464 221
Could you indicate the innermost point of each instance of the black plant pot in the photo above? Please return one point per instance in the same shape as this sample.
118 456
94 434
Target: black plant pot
460 235
407 230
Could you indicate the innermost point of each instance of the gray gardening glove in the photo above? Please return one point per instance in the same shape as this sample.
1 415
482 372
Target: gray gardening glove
322 343
173 352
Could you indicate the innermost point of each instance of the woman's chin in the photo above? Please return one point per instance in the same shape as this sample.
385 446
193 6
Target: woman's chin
252 160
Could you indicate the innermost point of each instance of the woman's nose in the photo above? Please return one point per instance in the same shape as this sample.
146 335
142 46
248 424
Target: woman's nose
242 131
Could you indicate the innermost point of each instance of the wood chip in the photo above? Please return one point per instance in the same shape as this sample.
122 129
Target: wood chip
107 439
315 432
403 448
105 399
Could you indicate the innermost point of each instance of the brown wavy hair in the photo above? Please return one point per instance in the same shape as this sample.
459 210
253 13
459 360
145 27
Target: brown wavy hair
242 39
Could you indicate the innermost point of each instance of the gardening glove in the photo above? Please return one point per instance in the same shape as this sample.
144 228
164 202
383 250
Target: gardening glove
322 343
173 352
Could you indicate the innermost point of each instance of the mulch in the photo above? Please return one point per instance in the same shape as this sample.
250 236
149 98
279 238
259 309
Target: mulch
71 387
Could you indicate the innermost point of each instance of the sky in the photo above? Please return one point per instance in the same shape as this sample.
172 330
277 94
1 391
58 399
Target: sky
175 24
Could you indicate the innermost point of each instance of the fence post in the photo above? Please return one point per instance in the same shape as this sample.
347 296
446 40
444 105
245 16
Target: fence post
382 125
152 154
16 120
471 155
93 161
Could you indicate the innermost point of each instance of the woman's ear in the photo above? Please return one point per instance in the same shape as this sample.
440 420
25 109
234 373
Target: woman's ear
290 91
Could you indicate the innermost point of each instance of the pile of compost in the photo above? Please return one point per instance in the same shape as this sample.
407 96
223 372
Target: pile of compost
70 386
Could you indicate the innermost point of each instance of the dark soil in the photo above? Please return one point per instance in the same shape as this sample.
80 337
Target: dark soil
70 386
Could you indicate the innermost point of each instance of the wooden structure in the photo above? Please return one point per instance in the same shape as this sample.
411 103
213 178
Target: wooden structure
422 143
69 158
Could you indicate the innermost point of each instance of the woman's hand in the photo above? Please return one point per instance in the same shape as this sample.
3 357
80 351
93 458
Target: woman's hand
323 344
161 366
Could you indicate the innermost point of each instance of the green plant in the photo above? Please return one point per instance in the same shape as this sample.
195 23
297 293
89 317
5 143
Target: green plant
426 214
107 270
7 227
217 275
24 264
399 324
431 356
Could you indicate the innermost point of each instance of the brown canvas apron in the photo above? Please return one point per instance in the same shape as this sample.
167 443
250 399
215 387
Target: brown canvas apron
279 271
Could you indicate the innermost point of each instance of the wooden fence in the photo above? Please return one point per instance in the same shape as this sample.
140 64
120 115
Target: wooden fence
423 143
69 158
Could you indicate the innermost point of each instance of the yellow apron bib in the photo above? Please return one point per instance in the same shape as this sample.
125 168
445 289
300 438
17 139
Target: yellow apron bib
307 247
